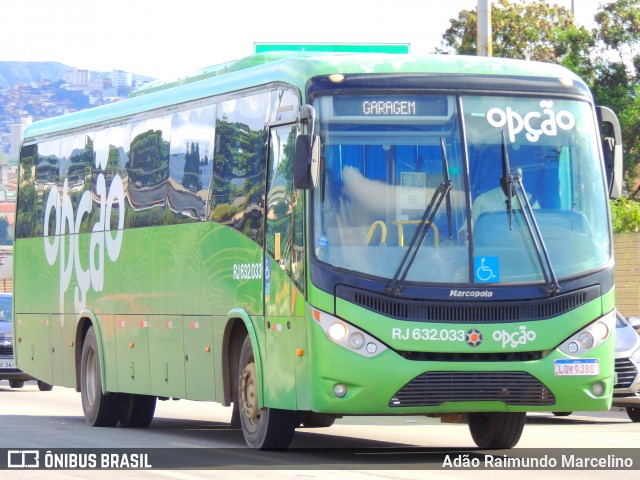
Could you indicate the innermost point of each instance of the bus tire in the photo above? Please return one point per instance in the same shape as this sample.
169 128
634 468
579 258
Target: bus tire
16 383
100 409
634 414
263 428
496 430
136 411
44 387
317 420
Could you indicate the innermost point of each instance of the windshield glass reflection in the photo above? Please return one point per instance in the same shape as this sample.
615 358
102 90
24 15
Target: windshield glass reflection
551 147
383 165
381 170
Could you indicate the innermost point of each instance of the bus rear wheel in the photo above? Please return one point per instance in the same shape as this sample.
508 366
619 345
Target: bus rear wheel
263 428
496 430
136 411
100 409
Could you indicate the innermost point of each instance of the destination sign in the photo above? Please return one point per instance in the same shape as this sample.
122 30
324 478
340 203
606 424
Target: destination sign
390 106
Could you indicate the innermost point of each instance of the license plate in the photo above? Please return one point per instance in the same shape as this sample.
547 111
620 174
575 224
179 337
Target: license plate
579 367
7 364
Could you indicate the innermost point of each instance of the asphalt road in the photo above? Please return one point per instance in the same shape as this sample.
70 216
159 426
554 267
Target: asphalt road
191 440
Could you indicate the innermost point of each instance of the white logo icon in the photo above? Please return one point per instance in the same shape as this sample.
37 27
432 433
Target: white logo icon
56 245
23 459
548 121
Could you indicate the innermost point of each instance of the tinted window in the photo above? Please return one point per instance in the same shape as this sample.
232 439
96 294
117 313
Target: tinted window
76 160
279 203
284 240
190 163
110 174
47 176
148 172
25 210
238 168
287 106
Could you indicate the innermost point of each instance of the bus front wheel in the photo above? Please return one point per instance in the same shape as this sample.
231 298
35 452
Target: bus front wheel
100 409
263 428
496 430
634 413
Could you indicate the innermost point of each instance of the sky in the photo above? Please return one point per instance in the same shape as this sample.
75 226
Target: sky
172 39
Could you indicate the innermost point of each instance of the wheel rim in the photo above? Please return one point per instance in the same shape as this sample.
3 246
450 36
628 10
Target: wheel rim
91 377
249 395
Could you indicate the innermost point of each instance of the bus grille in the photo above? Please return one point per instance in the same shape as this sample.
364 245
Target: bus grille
626 372
468 311
470 356
434 388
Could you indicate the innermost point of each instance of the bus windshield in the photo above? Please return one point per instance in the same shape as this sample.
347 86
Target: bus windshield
383 158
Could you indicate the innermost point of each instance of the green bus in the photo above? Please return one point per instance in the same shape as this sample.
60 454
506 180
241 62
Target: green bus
306 235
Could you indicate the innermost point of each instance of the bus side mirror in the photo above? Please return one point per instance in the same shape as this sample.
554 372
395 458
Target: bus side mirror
611 135
307 155
306 162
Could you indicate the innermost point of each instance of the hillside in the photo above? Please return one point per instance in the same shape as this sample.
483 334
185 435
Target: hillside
38 90
27 72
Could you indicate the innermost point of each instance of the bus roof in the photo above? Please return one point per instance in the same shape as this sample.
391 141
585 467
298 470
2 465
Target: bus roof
293 68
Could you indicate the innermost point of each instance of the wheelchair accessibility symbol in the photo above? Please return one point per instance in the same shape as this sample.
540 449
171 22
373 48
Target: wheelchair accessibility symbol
487 269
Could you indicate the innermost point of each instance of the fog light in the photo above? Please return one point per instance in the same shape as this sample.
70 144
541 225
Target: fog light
372 347
597 389
339 390
573 347
337 331
356 340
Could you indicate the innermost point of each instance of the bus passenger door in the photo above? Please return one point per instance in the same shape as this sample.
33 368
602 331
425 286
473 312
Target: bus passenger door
284 276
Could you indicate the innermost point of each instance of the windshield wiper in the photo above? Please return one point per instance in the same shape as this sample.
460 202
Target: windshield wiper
512 186
424 226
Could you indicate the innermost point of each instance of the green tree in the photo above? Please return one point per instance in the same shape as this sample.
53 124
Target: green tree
607 58
625 215
529 30
617 80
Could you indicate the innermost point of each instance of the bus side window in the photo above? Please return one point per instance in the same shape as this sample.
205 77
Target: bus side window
148 172
190 162
47 176
237 190
77 155
26 211
111 160
279 207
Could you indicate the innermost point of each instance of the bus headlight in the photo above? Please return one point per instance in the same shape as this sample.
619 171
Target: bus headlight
590 336
337 331
348 336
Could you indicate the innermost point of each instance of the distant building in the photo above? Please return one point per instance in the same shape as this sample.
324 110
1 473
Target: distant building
8 211
77 77
121 79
